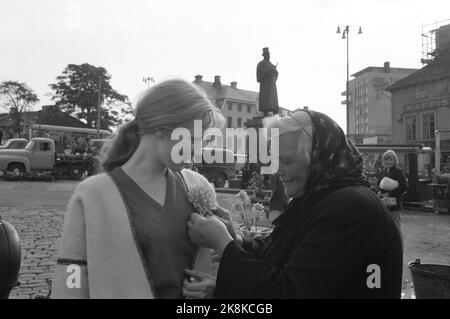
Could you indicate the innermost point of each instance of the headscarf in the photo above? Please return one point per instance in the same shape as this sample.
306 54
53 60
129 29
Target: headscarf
335 161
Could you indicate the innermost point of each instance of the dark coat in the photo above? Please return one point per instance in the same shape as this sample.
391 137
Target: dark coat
394 173
320 249
267 75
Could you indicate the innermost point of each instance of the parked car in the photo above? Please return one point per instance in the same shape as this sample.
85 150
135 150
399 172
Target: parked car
39 157
15 143
218 173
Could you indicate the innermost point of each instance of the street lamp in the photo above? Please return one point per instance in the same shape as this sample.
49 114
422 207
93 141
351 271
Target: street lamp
99 99
147 80
346 35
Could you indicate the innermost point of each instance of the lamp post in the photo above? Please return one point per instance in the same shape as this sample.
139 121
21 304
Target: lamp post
147 80
99 107
345 35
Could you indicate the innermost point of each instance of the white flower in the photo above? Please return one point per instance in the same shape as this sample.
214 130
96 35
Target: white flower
258 208
203 198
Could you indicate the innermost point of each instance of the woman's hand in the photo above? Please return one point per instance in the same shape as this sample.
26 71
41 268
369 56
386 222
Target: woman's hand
209 232
198 285
225 216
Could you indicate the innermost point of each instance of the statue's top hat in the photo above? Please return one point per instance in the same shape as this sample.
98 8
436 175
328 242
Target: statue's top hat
265 51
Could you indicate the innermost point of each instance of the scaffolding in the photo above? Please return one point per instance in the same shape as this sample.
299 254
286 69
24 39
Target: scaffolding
429 34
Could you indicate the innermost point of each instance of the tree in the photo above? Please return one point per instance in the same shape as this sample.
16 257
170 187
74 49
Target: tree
77 92
17 97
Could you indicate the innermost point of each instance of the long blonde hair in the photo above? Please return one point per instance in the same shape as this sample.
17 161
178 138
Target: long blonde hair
167 105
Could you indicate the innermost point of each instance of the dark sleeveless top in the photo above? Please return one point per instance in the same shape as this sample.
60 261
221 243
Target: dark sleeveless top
161 231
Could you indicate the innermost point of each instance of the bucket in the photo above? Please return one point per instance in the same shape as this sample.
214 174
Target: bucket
430 281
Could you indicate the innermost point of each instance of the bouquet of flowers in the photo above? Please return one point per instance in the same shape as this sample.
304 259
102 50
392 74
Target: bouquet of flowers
203 199
251 215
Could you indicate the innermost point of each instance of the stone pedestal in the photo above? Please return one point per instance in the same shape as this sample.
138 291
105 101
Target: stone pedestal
256 123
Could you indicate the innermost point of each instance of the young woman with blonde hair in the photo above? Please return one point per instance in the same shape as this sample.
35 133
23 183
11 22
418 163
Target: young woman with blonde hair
125 230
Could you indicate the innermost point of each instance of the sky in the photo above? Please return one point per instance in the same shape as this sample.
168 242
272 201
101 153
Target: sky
134 39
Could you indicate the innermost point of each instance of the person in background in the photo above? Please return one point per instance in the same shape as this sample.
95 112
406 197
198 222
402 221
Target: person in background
392 171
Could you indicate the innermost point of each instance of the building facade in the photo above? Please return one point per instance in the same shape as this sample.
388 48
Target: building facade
237 105
370 105
421 105
12 127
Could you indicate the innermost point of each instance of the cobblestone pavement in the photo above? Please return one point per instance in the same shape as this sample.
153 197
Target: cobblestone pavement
39 229
36 210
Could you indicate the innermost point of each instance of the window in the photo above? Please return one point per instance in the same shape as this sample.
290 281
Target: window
230 106
367 109
230 121
249 108
15 144
428 126
411 127
239 107
43 147
239 122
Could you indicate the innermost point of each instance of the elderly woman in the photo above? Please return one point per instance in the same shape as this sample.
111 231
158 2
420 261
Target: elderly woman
334 240
391 171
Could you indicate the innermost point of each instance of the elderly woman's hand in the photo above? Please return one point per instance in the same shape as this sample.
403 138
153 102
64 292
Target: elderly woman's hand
209 232
198 285
225 216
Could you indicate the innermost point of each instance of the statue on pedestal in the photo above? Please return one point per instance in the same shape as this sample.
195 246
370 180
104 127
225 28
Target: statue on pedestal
267 75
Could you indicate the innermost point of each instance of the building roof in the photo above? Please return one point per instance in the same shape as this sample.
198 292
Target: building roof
381 69
227 92
435 70
47 116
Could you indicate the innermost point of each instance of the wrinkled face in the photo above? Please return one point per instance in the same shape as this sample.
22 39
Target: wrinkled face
388 161
294 162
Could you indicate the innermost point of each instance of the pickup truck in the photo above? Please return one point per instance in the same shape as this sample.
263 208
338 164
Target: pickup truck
14 143
39 157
